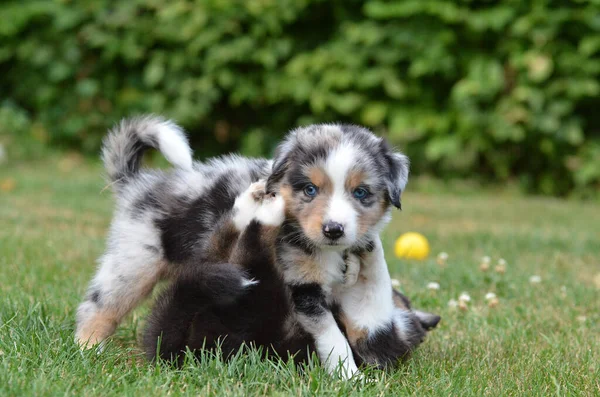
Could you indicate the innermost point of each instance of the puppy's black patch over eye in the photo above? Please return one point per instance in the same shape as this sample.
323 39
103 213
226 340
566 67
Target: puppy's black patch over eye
310 190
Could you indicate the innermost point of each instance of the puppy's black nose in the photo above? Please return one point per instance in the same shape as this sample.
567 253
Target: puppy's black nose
333 230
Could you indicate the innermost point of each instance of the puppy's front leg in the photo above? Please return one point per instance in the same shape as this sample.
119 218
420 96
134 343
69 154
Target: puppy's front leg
314 314
368 312
351 268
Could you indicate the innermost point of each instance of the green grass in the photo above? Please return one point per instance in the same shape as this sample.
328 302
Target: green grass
542 339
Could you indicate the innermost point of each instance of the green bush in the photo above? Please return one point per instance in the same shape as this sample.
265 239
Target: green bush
493 89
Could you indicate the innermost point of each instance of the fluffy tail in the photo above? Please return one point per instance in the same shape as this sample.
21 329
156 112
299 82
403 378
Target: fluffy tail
126 143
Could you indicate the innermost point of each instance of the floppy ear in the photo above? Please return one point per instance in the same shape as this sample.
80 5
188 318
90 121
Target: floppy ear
280 166
398 166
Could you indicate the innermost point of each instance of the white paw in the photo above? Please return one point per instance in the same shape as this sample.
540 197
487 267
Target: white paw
247 204
352 270
272 211
348 371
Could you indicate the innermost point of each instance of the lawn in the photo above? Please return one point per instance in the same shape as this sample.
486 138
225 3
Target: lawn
541 339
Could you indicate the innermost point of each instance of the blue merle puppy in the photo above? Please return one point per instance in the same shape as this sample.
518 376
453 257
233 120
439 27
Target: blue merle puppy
162 221
339 184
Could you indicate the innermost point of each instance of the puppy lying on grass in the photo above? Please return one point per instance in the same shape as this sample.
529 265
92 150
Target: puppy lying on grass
240 298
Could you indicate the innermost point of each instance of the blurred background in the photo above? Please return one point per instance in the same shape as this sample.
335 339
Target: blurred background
488 91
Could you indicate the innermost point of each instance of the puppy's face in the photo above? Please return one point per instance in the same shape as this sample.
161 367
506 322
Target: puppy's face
338 183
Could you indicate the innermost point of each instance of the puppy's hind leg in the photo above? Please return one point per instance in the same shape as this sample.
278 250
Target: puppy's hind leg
121 282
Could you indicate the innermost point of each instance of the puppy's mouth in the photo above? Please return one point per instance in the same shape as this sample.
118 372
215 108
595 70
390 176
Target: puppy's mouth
334 244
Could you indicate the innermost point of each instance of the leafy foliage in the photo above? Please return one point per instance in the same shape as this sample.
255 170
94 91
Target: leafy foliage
496 89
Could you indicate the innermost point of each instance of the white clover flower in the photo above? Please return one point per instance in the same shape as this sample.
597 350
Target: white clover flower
489 296
452 303
535 279
464 297
484 265
433 286
442 258
501 266
395 283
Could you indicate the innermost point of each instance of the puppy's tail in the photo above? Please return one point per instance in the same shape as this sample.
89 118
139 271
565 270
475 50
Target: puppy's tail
126 143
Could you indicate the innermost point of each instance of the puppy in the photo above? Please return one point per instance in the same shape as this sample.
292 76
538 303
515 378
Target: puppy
162 221
216 304
339 183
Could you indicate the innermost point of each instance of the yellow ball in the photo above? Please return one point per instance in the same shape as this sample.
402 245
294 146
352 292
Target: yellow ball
412 246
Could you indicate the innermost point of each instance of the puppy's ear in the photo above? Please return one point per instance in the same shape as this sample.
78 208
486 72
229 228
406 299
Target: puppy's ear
281 164
397 176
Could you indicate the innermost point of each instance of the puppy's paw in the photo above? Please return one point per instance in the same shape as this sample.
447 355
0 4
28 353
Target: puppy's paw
352 269
272 210
349 370
247 204
258 190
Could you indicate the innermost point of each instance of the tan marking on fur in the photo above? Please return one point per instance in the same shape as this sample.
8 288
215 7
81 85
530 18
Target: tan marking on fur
305 267
370 216
354 179
239 251
312 214
399 303
100 326
320 179
353 333
288 198
220 245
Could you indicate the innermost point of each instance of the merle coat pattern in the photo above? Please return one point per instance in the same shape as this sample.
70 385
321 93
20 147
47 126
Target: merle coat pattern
164 221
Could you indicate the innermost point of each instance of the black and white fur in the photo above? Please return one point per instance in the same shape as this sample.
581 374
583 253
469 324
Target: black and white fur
346 179
164 220
212 305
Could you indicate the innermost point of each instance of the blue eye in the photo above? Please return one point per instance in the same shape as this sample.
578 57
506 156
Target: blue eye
360 193
310 190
